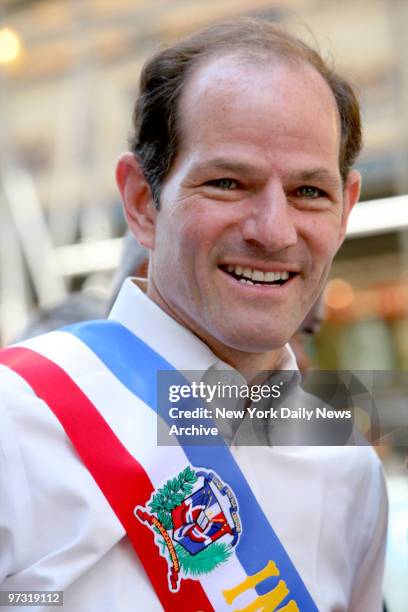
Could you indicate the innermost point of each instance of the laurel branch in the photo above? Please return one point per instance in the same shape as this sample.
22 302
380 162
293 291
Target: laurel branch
171 495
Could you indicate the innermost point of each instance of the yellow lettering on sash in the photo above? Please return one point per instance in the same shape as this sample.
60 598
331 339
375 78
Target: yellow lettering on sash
263 603
250 582
290 607
269 601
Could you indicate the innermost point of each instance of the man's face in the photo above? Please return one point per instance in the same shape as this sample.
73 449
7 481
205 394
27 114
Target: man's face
253 209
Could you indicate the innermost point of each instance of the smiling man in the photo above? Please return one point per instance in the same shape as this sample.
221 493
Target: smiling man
240 182
253 208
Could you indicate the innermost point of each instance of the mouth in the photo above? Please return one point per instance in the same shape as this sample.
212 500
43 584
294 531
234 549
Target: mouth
255 277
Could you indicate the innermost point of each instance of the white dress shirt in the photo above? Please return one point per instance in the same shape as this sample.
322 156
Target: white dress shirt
57 531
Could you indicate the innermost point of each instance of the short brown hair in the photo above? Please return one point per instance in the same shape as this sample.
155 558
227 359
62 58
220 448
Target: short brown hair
156 127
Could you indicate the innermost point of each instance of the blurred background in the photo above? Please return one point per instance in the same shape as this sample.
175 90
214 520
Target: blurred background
68 80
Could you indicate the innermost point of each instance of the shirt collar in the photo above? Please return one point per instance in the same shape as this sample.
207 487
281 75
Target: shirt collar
175 343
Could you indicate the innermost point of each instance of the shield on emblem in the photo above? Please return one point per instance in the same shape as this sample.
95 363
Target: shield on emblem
202 518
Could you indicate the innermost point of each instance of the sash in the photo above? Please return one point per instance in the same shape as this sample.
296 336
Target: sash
202 536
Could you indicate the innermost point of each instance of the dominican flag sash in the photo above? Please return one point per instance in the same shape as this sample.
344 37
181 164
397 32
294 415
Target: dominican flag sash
197 527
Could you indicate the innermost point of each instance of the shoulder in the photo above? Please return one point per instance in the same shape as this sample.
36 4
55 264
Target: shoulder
30 372
354 464
352 475
67 350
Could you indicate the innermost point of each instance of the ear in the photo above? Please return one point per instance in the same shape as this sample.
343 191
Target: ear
351 194
137 199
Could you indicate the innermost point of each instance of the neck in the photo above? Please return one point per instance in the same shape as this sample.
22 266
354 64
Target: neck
245 362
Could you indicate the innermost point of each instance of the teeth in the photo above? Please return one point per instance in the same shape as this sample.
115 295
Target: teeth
245 281
257 275
270 277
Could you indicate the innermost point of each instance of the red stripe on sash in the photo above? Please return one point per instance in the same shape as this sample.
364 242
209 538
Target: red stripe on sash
120 477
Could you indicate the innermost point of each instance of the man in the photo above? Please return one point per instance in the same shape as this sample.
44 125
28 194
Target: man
240 182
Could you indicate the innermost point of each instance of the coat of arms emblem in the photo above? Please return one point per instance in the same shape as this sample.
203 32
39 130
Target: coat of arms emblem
195 520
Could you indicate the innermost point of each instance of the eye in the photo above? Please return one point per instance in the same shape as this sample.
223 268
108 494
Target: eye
310 193
226 184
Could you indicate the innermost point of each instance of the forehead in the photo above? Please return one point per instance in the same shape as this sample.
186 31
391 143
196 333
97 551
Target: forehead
268 105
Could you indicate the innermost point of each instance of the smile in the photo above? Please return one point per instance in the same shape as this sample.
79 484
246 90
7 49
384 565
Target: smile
252 276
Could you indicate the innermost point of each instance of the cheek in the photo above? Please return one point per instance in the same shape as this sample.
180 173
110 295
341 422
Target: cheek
322 237
178 252
200 234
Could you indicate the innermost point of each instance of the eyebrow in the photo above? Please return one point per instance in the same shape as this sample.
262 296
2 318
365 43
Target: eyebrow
228 165
317 174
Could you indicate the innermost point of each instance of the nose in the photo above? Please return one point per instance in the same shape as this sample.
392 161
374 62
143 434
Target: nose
270 221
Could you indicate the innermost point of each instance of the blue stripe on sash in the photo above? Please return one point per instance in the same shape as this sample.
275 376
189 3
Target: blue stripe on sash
135 365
